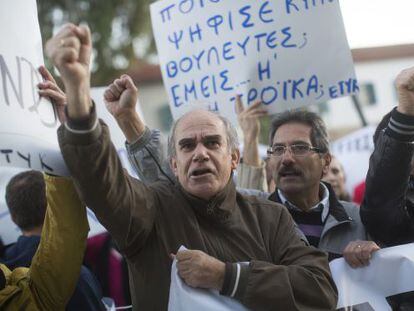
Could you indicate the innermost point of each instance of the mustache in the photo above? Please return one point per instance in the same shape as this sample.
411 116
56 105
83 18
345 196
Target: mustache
289 170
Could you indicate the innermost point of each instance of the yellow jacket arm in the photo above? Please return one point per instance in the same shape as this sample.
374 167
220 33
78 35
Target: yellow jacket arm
56 266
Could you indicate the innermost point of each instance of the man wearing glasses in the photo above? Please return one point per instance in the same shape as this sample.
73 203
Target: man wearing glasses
298 158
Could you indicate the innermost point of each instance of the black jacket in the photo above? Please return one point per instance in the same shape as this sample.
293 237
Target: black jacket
388 206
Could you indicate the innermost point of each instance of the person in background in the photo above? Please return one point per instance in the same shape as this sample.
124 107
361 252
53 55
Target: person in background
336 177
51 279
300 158
388 206
27 204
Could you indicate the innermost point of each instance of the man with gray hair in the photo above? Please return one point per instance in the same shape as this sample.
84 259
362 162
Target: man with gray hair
243 247
298 158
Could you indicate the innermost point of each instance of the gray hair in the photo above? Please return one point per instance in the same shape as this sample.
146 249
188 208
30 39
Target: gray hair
319 135
231 133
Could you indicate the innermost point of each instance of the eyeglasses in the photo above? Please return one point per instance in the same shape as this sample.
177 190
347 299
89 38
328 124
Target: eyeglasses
298 150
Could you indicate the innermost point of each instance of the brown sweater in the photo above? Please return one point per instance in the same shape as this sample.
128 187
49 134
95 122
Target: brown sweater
150 222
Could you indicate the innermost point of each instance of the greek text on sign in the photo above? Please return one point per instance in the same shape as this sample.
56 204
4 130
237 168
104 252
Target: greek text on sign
287 53
27 123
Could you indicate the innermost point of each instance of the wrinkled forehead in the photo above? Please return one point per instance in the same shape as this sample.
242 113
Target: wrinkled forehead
199 124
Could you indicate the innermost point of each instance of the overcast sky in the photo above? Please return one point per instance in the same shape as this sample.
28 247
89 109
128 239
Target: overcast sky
378 22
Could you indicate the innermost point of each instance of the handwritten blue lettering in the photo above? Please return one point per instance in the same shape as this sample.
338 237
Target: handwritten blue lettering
263 12
290 89
227 49
304 5
195 33
214 22
263 70
176 38
204 88
186 6
247 16
165 13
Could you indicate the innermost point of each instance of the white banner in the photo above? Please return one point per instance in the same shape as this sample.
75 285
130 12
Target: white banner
389 274
286 53
27 123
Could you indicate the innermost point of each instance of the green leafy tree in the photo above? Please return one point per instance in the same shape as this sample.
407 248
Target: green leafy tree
121 31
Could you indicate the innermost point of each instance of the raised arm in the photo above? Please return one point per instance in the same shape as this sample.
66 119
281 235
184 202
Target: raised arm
145 147
123 205
147 156
251 172
56 265
388 208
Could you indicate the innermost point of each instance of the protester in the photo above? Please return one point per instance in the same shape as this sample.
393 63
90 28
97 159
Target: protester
388 206
26 200
337 179
331 225
203 211
101 256
300 157
51 279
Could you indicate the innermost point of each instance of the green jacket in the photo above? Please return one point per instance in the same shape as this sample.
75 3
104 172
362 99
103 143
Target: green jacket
51 279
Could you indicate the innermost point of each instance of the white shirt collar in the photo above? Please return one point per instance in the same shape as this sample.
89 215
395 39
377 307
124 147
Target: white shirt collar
323 204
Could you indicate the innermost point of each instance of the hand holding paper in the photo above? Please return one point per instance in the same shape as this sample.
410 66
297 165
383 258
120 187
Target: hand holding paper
198 269
358 253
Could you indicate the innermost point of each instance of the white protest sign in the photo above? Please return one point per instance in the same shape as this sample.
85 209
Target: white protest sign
286 53
27 123
9 232
353 151
390 272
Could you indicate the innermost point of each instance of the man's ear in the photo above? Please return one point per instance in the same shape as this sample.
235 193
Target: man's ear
173 165
326 161
235 158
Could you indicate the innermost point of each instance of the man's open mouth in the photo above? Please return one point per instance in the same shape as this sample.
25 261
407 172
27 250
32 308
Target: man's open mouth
200 172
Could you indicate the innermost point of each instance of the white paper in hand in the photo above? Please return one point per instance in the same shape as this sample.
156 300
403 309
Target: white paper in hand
186 298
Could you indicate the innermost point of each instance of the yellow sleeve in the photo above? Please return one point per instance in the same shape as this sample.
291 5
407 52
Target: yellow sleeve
56 266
